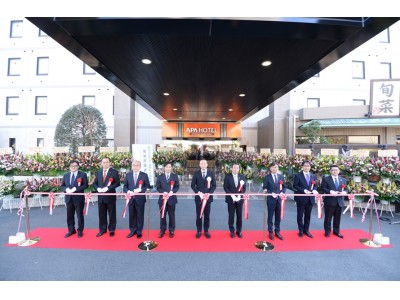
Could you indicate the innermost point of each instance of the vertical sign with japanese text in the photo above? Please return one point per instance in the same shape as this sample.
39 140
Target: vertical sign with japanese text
385 97
144 153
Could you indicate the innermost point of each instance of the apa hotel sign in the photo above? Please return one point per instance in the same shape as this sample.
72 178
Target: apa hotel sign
201 130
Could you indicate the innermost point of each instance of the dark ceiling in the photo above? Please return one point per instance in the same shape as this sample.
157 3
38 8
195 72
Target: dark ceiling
204 64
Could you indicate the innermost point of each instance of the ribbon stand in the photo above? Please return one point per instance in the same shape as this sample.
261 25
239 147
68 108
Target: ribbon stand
369 242
148 245
264 245
29 241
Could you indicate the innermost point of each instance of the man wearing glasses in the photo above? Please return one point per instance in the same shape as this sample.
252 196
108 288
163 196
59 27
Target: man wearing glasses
74 181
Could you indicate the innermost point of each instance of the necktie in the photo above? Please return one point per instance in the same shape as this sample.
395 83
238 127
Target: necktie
134 178
204 175
275 179
336 183
104 175
72 179
308 178
167 177
235 177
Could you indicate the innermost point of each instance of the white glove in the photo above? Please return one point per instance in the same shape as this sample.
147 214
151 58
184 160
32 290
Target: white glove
170 193
200 194
344 192
130 193
99 190
315 192
137 190
233 198
333 192
73 190
237 198
274 195
307 192
68 190
105 189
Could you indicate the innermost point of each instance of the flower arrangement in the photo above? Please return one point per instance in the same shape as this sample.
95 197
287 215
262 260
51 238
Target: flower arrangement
388 192
38 185
248 174
6 187
355 166
179 170
262 161
162 157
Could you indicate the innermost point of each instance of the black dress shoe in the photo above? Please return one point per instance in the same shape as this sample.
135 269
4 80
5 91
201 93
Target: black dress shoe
271 236
300 234
198 235
207 234
339 235
112 233
232 235
131 234
171 234
279 236
327 234
307 233
161 234
239 234
139 235
80 234
69 234
100 233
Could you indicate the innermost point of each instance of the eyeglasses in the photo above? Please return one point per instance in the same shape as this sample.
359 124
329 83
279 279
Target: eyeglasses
74 166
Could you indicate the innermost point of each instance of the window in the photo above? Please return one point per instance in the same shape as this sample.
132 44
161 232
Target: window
336 139
386 70
363 139
41 105
358 69
110 143
42 67
384 36
88 70
12 105
14 66
359 102
16 29
42 33
312 102
40 142
89 100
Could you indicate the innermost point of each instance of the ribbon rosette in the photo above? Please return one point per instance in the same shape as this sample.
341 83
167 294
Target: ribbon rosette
165 200
351 204
208 182
203 203
79 181
241 185
280 184
140 184
110 180
283 202
52 197
127 198
343 186
318 199
312 184
88 198
172 185
246 206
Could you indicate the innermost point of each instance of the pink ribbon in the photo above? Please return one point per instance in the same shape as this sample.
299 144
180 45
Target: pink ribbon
52 197
165 200
203 204
318 199
283 202
127 198
246 206
371 202
88 198
351 204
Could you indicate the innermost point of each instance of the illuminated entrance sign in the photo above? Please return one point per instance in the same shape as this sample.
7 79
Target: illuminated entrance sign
201 130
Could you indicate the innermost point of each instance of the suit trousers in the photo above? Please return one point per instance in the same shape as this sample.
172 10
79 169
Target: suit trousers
235 208
205 217
110 208
170 211
304 216
336 213
274 209
136 217
75 206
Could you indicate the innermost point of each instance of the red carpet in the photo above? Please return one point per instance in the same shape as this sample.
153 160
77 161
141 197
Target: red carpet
185 241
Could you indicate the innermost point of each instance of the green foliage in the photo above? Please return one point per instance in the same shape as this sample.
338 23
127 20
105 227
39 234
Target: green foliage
313 133
81 125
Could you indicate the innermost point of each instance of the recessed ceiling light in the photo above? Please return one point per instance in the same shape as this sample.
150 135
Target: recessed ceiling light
242 95
266 63
223 118
146 61
180 117
174 109
166 94
230 109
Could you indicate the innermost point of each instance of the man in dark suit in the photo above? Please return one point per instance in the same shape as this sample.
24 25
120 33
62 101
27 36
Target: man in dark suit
136 182
234 183
167 183
106 181
74 181
274 184
203 182
337 187
305 183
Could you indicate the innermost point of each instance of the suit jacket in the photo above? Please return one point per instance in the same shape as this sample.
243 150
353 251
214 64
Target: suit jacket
231 188
328 185
271 187
111 181
129 185
164 185
200 185
300 184
80 188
